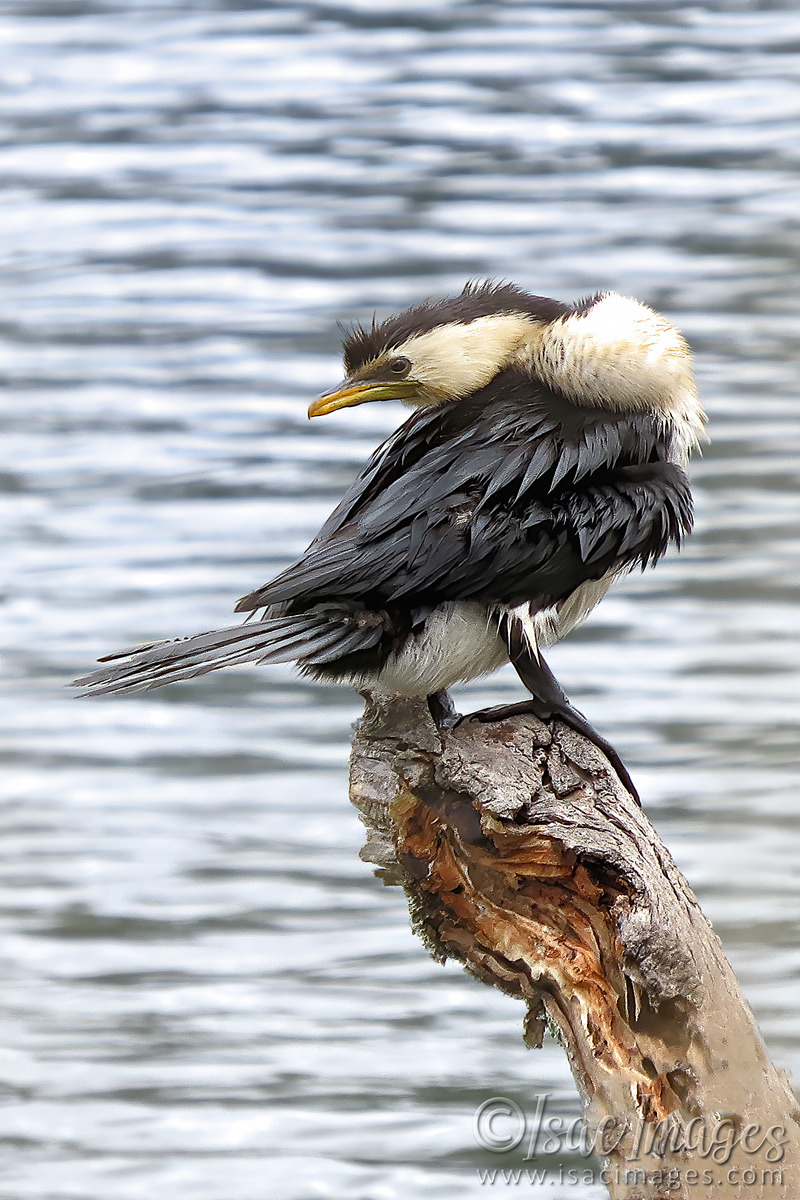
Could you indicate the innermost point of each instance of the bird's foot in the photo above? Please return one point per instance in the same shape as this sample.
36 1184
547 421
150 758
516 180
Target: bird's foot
571 717
501 712
443 711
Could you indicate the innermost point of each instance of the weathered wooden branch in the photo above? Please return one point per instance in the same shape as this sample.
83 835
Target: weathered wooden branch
525 859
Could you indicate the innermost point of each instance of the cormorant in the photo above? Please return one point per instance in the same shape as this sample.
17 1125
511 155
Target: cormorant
545 459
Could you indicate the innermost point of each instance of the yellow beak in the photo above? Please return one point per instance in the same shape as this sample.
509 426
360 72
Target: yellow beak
348 394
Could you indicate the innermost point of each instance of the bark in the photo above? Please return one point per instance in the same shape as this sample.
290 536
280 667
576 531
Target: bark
524 859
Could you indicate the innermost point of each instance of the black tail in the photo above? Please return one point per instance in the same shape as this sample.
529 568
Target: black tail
321 635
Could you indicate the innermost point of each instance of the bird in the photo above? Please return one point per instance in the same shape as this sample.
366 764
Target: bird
545 458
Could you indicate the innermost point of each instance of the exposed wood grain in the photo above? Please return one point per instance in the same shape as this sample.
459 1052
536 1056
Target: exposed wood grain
525 859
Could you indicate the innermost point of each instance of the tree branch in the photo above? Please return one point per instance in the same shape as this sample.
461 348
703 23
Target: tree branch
525 859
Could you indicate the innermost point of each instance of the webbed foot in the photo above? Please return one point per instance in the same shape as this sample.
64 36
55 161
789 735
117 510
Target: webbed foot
570 716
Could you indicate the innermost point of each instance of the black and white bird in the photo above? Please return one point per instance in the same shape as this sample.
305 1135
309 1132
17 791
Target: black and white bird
544 460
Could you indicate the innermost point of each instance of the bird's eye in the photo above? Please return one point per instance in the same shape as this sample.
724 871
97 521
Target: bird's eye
399 366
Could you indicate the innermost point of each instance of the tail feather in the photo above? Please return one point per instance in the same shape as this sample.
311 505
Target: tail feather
216 639
318 636
305 646
352 642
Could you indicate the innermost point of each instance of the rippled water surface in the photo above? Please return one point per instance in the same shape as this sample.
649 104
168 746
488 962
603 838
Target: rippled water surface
206 995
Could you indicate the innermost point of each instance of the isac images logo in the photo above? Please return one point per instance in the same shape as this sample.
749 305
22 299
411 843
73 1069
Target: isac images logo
639 1152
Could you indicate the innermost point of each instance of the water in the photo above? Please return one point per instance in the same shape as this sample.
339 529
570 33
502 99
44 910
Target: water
206 995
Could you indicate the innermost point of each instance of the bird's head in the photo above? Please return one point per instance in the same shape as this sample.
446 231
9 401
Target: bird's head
607 352
439 351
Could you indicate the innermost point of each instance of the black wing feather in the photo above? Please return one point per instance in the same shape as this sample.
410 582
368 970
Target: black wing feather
558 497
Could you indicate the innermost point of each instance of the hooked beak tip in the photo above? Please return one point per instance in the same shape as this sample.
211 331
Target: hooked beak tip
349 394
328 404
346 395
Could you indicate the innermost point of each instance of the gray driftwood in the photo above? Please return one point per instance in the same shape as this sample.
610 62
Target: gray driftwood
525 859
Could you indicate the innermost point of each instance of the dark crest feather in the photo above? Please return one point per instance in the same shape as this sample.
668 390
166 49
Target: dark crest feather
478 299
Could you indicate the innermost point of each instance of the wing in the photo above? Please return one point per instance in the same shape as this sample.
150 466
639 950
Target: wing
494 499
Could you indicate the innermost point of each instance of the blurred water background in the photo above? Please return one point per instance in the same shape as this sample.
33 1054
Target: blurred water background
205 994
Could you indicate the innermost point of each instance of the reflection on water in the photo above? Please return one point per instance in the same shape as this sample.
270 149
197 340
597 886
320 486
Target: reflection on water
206 994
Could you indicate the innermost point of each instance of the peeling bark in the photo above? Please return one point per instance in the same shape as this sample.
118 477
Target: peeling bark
524 859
